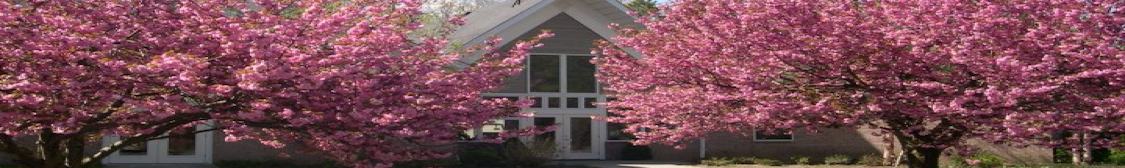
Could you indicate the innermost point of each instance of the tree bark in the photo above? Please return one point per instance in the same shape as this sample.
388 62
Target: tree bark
1081 155
923 157
888 150
918 157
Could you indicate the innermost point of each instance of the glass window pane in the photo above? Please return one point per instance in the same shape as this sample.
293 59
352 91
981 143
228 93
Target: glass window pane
181 145
135 149
537 102
553 102
572 102
589 103
581 135
776 136
544 122
545 71
580 75
511 125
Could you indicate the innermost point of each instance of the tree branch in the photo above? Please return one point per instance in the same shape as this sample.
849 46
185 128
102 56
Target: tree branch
171 123
185 134
25 156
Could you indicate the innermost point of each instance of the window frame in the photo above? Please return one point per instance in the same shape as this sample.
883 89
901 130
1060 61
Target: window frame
792 137
563 78
478 133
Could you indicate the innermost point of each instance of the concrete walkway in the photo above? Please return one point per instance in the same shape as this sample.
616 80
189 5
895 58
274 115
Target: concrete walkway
626 164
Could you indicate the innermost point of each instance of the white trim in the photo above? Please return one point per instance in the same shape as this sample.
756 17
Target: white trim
540 13
508 23
563 78
157 150
593 20
478 133
621 6
792 136
514 27
562 135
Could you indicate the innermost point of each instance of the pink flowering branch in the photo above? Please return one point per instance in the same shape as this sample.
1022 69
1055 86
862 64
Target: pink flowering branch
933 73
347 80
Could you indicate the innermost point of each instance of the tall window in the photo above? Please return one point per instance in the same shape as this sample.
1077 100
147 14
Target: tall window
776 136
562 74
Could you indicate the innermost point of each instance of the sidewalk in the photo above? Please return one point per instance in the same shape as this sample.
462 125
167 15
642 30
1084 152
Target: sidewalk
626 164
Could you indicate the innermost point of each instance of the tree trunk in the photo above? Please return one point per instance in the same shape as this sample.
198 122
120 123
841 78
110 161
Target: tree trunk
1081 155
889 150
923 157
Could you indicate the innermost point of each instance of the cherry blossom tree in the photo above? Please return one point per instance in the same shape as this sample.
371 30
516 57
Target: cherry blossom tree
437 12
341 77
933 73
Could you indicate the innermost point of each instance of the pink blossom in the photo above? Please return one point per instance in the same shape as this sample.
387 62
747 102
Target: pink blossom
262 72
934 73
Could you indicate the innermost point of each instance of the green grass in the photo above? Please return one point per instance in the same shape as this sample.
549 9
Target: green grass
1062 165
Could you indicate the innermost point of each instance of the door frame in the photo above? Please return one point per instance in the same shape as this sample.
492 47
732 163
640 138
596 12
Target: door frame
158 149
563 137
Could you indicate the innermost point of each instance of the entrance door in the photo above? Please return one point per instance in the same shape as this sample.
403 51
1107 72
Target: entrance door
575 135
185 149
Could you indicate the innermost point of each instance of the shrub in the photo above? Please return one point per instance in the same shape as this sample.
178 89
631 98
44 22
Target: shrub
480 157
1061 155
801 160
532 154
768 162
718 161
989 161
871 160
636 153
979 160
743 160
838 160
1116 157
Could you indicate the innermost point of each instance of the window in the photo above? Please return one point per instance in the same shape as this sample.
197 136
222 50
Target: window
572 102
616 132
590 102
494 129
545 73
542 123
562 74
777 136
580 75
491 130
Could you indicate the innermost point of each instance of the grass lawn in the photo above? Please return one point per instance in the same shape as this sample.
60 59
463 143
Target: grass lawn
861 166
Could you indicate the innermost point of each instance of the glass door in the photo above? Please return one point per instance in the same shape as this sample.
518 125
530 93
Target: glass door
580 139
194 148
575 136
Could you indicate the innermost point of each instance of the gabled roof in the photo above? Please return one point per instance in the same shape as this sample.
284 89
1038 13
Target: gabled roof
507 20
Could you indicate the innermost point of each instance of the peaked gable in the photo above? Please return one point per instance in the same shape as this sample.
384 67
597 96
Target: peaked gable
509 21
